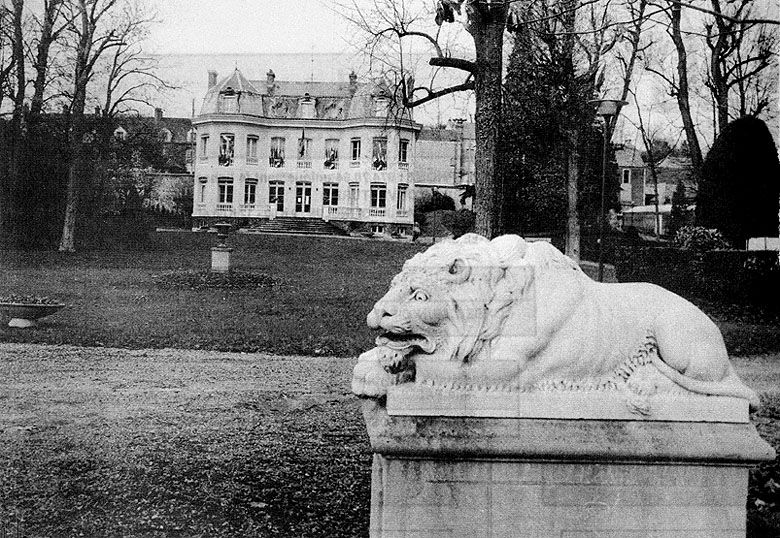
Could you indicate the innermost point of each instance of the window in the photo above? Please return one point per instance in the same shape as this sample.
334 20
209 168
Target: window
377 229
165 136
251 149
250 192
276 194
276 159
401 205
202 190
354 195
225 190
626 175
204 147
120 134
228 101
403 150
330 194
304 149
378 196
379 155
227 149
188 155
355 149
331 153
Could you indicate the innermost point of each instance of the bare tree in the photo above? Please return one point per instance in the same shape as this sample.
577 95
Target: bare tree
130 75
392 25
52 24
738 54
92 36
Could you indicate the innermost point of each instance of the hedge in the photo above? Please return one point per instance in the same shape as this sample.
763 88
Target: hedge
736 276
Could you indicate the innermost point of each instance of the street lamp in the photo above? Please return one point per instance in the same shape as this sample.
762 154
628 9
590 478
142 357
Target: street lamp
607 109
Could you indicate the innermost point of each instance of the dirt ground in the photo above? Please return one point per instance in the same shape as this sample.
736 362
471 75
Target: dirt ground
107 442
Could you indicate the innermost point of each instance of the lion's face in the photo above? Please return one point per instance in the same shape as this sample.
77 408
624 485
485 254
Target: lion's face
436 310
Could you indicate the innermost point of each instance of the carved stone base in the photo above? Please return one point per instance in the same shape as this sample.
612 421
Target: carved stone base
540 477
220 259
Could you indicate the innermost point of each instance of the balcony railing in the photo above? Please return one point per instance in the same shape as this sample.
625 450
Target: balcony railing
304 164
402 213
247 207
354 164
403 166
376 212
331 165
224 207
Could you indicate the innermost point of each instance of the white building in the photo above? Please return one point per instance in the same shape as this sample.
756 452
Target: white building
302 150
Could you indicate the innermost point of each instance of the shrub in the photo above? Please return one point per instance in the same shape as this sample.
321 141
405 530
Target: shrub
699 239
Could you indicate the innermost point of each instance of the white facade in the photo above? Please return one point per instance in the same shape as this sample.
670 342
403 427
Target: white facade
321 157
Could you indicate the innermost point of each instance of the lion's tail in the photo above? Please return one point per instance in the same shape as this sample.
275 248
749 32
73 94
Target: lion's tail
731 385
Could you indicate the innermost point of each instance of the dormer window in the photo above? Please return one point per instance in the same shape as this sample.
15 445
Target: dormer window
307 108
381 106
120 133
165 136
228 101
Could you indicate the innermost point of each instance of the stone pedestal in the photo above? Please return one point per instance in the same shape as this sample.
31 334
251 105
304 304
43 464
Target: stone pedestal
220 259
513 476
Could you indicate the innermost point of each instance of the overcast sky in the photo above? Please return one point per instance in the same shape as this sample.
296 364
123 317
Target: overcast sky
235 26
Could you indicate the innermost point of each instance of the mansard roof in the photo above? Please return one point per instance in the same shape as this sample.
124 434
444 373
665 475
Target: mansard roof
273 98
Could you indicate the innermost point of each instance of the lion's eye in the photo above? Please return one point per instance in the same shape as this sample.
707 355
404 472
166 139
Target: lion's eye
420 295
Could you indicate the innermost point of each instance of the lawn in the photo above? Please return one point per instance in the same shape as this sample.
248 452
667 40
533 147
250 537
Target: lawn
313 300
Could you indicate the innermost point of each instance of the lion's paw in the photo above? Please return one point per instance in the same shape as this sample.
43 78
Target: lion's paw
378 369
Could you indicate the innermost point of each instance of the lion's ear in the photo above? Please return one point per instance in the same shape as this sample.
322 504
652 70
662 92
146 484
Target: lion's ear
459 271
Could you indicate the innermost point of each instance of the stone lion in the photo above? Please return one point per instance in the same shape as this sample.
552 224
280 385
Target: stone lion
474 313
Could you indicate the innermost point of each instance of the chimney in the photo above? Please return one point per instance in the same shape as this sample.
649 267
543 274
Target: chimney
270 77
212 79
158 114
353 79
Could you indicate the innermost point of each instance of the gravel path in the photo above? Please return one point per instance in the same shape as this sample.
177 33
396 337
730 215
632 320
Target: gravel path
169 442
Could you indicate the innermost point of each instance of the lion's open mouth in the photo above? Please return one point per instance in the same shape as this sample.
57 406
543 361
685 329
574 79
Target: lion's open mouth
404 341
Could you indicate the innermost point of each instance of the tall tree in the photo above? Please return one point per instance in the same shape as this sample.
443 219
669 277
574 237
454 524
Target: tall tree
739 52
92 37
391 25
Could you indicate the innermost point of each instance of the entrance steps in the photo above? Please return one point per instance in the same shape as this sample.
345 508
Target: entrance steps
296 225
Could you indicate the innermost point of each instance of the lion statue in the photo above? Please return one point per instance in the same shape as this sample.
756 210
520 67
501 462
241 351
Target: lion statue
474 313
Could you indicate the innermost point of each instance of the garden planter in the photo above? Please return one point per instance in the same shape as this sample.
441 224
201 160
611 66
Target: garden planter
25 315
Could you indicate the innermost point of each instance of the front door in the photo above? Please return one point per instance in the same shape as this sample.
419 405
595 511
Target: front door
303 198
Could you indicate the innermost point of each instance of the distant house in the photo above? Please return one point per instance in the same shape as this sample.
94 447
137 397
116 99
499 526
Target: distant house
638 190
303 150
633 175
171 175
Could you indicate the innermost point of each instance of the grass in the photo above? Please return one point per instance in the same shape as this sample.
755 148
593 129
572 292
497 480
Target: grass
313 300
319 293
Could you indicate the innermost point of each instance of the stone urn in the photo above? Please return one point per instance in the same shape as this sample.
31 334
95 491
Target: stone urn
26 314
223 229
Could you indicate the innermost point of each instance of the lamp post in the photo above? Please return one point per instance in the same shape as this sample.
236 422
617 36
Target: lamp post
607 109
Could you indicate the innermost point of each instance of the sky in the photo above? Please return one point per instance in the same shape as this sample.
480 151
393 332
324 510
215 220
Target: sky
247 26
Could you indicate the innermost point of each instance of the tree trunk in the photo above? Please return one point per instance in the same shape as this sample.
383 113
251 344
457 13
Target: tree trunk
683 101
572 185
10 211
489 41
42 58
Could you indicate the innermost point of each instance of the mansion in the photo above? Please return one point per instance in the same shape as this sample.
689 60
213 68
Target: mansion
308 150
